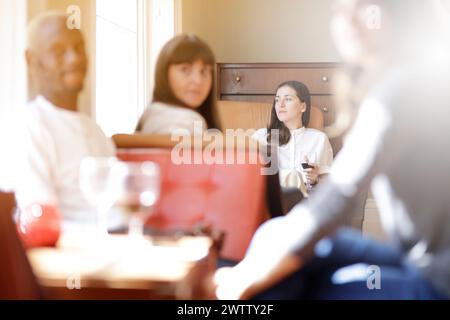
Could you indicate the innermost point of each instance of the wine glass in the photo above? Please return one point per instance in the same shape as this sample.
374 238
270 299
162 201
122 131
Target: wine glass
140 186
305 159
98 183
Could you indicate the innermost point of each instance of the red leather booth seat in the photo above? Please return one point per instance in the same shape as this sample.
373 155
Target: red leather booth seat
17 281
230 197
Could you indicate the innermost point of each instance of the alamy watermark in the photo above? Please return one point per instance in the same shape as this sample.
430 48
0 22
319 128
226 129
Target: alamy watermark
372 17
73 281
373 277
74 18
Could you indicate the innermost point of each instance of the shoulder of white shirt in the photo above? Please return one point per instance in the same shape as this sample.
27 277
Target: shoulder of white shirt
317 133
169 108
260 135
35 107
162 112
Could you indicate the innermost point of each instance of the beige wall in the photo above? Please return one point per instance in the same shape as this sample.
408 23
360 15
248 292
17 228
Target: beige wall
87 8
262 30
34 7
194 14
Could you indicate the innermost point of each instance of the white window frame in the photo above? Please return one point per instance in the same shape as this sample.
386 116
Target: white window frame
144 76
154 44
147 53
13 84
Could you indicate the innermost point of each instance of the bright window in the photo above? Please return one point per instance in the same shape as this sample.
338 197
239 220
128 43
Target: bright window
116 65
13 88
126 49
162 26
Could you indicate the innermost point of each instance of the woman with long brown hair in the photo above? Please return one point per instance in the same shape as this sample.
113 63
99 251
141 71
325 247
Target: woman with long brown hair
304 154
184 88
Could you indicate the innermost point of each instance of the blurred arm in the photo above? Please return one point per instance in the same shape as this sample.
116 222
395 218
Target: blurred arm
282 245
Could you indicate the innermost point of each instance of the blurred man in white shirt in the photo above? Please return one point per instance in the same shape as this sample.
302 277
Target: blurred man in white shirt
57 135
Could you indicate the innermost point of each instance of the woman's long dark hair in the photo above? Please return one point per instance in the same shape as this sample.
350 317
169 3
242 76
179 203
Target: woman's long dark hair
305 97
184 48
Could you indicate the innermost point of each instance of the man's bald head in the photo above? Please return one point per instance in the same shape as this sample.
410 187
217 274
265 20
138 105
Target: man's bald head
41 23
56 55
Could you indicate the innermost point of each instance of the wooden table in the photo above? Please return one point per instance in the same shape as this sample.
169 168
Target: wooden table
119 267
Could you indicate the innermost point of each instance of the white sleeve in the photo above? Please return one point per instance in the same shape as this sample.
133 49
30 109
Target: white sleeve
193 124
105 147
362 146
142 121
36 168
260 135
158 122
325 156
9 127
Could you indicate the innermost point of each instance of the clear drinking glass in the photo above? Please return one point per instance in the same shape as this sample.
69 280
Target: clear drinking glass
99 185
140 186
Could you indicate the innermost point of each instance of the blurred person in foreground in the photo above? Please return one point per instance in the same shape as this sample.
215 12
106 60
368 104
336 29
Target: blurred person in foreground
397 74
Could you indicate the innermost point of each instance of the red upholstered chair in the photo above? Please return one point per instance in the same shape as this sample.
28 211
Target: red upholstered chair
229 197
16 277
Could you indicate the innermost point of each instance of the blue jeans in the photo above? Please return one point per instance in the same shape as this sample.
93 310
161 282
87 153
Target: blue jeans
349 266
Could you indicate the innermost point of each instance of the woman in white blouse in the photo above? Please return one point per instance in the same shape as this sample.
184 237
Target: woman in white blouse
298 145
183 95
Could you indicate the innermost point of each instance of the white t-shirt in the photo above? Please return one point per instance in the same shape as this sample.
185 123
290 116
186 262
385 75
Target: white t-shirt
11 141
162 118
304 141
55 141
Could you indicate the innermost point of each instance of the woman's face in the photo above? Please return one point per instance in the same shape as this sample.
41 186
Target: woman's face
289 108
191 82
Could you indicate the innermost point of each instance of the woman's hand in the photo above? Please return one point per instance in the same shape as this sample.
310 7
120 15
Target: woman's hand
267 262
248 279
312 173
